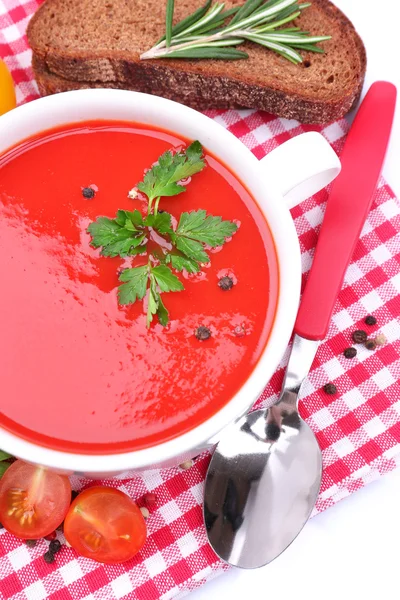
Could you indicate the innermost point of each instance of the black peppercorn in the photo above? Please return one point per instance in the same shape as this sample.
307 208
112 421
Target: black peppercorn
202 333
31 543
370 320
55 546
49 557
350 352
359 336
74 494
225 283
330 388
370 344
88 193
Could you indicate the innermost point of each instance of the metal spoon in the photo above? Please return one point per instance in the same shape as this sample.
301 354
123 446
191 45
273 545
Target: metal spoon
265 474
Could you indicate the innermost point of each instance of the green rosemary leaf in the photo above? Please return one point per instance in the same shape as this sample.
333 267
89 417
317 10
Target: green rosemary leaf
168 22
247 9
265 12
316 49
4 455
208 52
272 26
295 39
208 18
214 26
284 51
188 21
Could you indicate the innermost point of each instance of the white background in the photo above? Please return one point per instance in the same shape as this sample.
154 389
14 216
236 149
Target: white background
352 551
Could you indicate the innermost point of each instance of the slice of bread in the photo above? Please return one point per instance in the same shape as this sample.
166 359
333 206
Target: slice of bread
97 43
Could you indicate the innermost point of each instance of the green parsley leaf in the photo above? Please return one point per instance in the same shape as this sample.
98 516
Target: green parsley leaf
161 222
162 178
179 263
3 468
129 220
119 236
134 284
162 313
153 302
210 230
134 287
191 248
166 280
4 455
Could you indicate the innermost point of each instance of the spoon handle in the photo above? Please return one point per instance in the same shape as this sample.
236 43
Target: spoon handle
347 208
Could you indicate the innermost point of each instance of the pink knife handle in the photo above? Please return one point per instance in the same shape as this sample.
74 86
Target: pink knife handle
347 208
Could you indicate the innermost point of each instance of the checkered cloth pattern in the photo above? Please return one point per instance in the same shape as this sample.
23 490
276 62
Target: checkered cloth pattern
358 429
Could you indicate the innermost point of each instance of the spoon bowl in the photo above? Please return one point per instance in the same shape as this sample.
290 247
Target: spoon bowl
259 499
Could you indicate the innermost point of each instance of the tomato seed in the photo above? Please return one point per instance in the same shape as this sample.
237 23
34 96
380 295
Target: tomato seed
145 512
380 339
186 465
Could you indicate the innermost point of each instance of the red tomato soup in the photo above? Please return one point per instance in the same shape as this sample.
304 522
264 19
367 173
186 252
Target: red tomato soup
79 372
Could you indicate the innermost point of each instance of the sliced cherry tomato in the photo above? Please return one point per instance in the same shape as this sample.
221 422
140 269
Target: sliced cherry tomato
106 525
7 92
33 500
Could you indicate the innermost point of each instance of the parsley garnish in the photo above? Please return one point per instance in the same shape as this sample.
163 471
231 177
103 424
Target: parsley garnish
163 178
129 232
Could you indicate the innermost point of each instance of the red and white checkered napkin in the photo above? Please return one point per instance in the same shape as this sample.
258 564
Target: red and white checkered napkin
358 430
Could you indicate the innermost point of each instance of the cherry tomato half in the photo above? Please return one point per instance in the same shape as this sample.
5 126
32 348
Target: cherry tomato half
7 92
106 525
33 501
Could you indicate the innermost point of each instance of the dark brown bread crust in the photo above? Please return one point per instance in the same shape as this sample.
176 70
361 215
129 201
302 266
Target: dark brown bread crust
185 82
241 95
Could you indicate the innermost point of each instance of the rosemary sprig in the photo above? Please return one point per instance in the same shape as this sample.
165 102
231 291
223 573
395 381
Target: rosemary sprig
212 32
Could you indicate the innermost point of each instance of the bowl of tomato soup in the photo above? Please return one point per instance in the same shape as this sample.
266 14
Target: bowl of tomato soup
88 384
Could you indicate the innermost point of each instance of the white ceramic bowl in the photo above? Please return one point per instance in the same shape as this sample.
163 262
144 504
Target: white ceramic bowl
284 177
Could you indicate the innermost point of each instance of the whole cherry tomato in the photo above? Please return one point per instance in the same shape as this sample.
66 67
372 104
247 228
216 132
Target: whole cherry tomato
7 92
33 500
106 525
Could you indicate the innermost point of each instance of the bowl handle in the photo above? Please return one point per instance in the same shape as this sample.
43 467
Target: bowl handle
301 166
